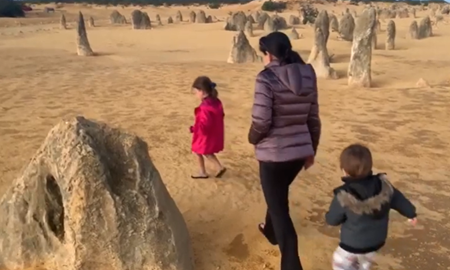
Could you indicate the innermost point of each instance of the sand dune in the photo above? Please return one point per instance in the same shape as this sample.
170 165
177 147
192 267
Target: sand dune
141 82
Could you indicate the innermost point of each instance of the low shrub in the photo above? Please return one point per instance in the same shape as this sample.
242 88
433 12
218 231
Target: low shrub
10 8
274 6
215 5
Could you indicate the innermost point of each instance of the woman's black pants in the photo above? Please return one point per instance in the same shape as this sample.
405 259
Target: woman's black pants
276 177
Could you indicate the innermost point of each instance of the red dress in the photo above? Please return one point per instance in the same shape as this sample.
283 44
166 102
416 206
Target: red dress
208 130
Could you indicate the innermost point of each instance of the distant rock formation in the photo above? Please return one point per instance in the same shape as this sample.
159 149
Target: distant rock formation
62 22
179 17
346 27
390 37
359 69
83 46
140 20
117 18
242 51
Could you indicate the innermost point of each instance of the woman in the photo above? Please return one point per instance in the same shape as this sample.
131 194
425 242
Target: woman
285 131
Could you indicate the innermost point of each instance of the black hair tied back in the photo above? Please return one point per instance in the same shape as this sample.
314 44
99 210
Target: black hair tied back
213 85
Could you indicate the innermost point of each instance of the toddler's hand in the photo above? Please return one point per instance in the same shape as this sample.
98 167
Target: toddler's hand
413 221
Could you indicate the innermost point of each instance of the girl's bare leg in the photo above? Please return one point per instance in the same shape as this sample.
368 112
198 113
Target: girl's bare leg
215 160
201 164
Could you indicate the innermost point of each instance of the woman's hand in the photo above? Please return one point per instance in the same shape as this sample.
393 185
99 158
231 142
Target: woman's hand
309 162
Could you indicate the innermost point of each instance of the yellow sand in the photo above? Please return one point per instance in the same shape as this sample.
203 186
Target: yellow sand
141 82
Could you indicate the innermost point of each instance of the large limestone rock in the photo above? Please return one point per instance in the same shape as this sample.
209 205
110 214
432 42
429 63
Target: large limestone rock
390 36
425 28
236 22
201 17
319 57
414 30
241 50
91 199
140 20
83 46
359 69
62 22
117 18
346 27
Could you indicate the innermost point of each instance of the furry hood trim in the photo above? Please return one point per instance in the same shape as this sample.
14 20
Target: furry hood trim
371 205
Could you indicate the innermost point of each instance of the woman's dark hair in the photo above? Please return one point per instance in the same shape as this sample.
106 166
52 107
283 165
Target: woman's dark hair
204 84
279 45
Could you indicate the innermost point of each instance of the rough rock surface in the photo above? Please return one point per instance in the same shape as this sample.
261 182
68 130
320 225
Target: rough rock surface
321 39
321 60
201 17
359 69
425 28
236 22
390 35
414 30
334 24
83 46
62 22
242 51
346 27
249 29
91 199
140 20
169 20
179 17
117 18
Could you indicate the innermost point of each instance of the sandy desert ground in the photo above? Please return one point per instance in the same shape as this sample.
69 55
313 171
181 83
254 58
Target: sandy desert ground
141 81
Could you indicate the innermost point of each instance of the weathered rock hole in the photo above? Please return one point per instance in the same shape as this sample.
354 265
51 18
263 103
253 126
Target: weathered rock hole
54 207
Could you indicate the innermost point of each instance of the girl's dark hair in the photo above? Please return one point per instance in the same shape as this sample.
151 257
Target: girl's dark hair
204 84
279 45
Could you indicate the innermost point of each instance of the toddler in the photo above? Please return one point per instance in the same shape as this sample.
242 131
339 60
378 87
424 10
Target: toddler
208 130
361 207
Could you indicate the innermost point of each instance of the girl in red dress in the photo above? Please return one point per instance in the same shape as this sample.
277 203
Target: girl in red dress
208 130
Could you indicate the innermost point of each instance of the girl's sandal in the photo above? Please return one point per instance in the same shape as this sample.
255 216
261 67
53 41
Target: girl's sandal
199 176
221 172
261 230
